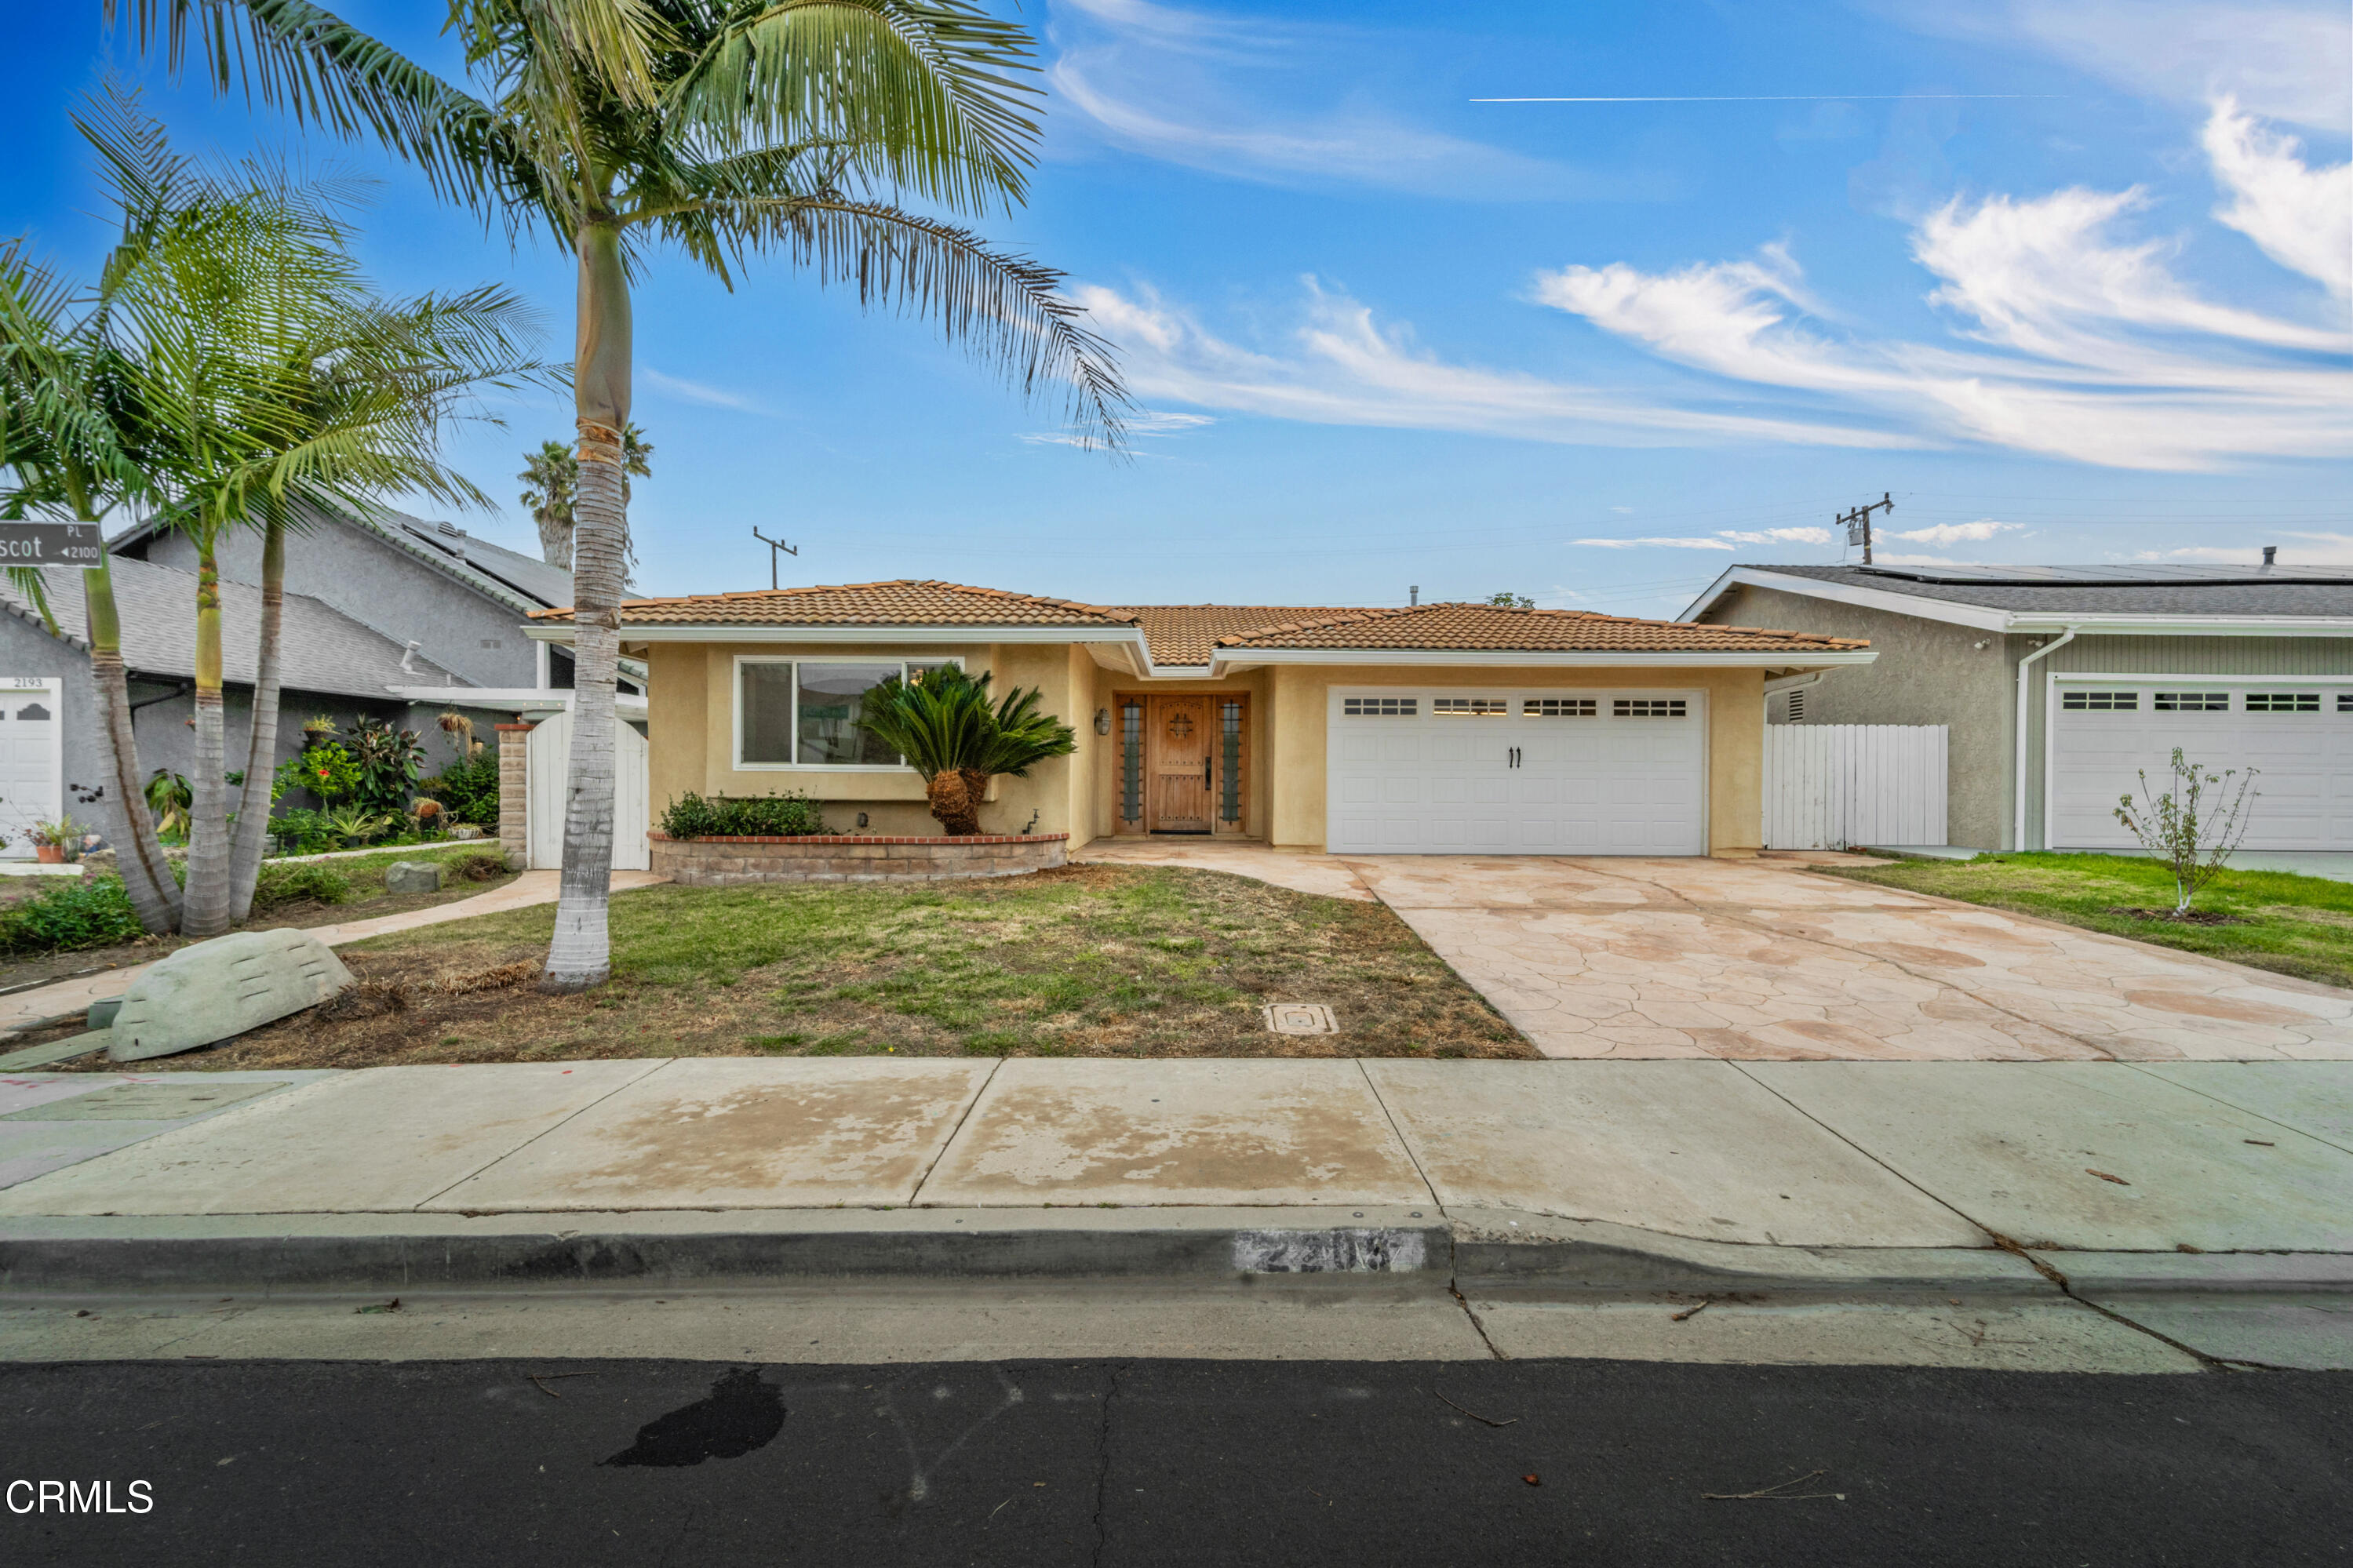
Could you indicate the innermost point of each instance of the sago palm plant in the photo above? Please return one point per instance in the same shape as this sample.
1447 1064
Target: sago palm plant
942 723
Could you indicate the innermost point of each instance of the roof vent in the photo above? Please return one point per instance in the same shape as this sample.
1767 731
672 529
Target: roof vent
451 528
2271 554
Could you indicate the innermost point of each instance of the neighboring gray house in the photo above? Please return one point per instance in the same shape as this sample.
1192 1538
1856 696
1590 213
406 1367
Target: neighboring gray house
399 618
2240 666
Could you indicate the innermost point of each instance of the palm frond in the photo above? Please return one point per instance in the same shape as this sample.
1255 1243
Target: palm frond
1002 307
324 71
934 93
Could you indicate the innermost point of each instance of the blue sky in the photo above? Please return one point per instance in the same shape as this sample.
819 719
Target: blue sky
2069 277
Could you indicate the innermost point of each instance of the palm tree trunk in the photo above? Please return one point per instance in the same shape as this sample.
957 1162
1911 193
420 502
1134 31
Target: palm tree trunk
955 801
261 750
146 873
581 955
205 910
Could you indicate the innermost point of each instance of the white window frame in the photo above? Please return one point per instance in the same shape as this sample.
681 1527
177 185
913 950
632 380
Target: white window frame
735 683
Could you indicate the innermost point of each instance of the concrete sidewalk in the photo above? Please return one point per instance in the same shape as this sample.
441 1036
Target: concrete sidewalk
2184 1185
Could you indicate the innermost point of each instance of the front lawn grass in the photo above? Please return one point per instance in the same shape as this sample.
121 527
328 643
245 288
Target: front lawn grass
2293 925
1089 961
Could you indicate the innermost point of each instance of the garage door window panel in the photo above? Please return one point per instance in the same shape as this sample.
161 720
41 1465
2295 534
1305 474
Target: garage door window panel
2282 702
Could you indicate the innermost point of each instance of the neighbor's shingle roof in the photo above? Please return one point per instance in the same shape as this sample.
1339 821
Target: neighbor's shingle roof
1482 627
903 603
1189 634
2310 591
322 649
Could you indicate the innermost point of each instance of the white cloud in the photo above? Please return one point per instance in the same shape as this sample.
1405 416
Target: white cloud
2315 550
1655 544
1976 532
2302 217
1239 96
2071 341
1338 365
1142 422
2285 59
1722 539
1777 535
699 391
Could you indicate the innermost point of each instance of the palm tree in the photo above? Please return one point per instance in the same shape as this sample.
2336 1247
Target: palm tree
726 127
942 723
271 385
551 477
74 444
548 476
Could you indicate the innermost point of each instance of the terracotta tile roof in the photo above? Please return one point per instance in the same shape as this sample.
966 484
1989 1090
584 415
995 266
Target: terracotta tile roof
1480 627
906 602
1186 634
1180 635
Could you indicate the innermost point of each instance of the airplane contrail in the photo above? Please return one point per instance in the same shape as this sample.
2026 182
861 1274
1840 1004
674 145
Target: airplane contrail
1774 97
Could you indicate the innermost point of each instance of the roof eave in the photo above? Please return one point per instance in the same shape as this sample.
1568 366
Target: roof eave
1470 658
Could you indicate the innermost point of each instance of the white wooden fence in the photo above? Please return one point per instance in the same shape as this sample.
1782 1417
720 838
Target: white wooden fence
549 750
1831 785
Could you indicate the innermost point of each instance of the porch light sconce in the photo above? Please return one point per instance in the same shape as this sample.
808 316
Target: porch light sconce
862 819
1102 720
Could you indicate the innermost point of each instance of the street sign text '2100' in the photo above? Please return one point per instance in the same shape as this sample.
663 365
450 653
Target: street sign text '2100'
51 544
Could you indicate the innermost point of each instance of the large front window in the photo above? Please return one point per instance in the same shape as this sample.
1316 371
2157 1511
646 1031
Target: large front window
804 713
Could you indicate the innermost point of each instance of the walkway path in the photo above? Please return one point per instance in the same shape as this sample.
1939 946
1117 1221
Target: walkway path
530 887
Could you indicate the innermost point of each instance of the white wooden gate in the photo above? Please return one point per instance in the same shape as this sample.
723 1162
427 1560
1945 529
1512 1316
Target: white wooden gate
549 753
32 759
1831 785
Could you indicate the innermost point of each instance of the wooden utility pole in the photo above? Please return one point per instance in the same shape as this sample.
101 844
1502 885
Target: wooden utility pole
1857 523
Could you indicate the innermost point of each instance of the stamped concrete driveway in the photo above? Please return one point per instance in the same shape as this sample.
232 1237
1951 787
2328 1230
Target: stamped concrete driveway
1763 960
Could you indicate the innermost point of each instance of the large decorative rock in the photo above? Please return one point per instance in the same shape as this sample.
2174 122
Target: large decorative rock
219 989
413 876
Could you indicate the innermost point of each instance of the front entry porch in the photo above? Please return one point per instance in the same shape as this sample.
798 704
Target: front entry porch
1183 764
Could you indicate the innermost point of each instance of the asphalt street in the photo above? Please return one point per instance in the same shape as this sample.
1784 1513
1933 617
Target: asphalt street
1181 1462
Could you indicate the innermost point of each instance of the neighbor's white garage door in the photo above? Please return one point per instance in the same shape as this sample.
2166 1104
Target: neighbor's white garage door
1424 772
2299 739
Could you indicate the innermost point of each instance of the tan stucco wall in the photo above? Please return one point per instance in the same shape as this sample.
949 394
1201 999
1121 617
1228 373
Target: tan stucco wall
691 702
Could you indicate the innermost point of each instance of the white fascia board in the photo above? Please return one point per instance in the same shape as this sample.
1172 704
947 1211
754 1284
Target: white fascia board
560 632
520 699
1984 618
2188 626
1977 616
1794 661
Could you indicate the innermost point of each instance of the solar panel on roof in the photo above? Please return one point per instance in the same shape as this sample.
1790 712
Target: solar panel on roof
2136 575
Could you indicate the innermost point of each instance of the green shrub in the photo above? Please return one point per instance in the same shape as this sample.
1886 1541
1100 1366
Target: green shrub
467 790
766 817
281 884
66 916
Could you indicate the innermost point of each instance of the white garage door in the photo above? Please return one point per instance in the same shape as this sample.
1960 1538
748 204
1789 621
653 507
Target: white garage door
32 764
2298 738
1423 771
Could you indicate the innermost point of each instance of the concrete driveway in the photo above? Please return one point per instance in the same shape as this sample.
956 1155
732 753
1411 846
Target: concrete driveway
1763 960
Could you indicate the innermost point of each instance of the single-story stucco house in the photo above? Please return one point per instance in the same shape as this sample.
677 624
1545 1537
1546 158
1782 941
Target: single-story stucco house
1431 729
2062 684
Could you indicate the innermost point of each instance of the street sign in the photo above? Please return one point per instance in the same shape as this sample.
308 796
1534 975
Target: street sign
51 544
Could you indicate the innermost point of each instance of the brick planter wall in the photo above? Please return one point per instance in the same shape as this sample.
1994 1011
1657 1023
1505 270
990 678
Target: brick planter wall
721 862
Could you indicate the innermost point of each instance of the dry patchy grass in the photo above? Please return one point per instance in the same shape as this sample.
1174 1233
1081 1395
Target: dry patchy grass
1089 960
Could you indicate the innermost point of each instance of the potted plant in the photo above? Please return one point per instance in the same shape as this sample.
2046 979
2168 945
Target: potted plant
51 840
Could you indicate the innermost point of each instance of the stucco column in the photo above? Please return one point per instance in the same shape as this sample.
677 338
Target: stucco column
514 794
1295 735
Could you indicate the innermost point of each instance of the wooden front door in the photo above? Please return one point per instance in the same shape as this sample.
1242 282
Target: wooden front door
1182 732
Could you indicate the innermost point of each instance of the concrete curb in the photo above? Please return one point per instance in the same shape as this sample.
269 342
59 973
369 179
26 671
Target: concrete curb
413 1251
1492 1252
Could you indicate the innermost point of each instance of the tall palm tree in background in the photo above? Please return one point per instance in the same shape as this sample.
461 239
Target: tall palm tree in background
726 127
548 476
551 475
